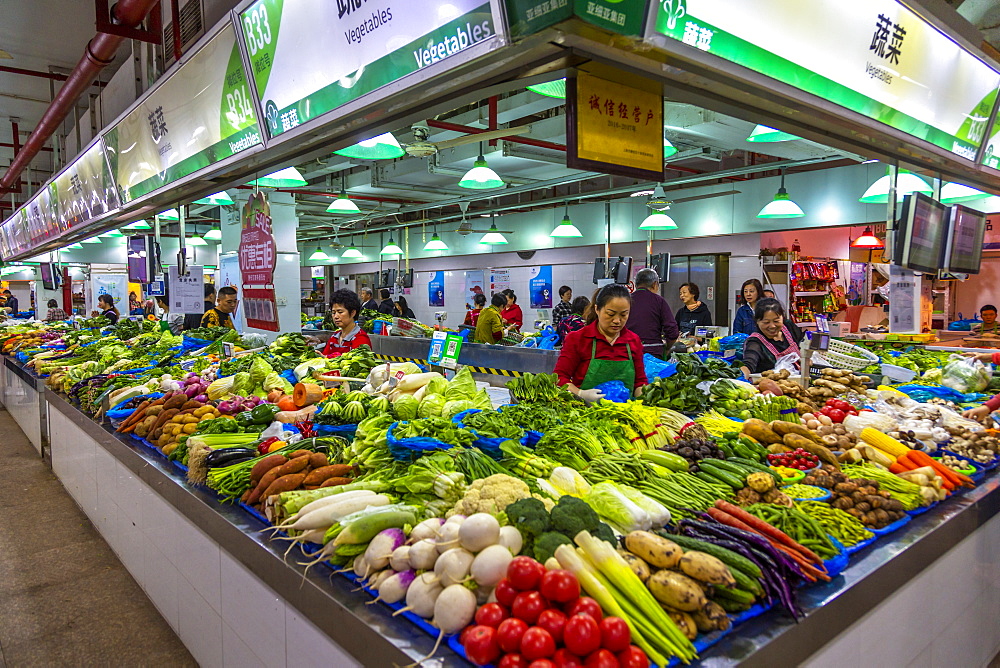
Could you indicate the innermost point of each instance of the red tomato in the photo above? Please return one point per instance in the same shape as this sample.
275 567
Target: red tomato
633 657
513 661
554 622
491 614
537 643
481 645
587 606
836 415
524 573
602 658
541 663
582 635
560 586
465 632
615 634
529 605
505 593
509 634
563 658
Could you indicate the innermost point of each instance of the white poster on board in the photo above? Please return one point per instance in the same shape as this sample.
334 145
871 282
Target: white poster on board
114 285
187 293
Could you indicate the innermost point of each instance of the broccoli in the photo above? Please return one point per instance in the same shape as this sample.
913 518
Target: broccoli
571 515
547 543
604 532
529 517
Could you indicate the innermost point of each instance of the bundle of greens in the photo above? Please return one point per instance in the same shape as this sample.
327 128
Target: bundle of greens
490 424
537 388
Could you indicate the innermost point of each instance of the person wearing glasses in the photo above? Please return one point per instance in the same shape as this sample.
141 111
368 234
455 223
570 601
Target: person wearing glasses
221 315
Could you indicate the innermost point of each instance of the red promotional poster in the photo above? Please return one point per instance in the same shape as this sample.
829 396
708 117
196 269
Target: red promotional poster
258 254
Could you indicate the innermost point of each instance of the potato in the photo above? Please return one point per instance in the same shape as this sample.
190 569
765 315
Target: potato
654 550
638 566
684 622
711 618
706 568
677 590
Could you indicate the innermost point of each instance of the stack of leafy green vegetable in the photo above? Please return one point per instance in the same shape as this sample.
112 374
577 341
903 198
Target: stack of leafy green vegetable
537 388
680 391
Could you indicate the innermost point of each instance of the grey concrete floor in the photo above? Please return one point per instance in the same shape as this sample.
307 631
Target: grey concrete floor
65 598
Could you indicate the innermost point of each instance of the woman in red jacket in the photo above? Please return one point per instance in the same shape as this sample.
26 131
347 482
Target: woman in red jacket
511 313
344 309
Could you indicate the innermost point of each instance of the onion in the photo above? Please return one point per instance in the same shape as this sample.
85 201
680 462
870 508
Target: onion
203 398
192 390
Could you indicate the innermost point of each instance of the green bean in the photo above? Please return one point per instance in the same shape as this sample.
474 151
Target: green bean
840 524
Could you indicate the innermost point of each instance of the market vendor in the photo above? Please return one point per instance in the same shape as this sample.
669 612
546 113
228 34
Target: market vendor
511 312
106 307
604 350
693 313
489 326
774 339
221 315
990 326
403 310
744 323
344 309
564 308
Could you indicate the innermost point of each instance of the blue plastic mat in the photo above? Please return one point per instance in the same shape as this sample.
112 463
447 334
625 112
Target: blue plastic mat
836 566
857 547
889 528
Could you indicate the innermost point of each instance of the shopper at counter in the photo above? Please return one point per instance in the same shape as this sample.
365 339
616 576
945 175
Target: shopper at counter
193 320
385 307
55 313
15 308
472 315
221 315
511 313
776 338
565 306
651 318
402 310
574 321
604 350
752 291
989 325
490 327
694 313
344 309
106 307
368 300
175 321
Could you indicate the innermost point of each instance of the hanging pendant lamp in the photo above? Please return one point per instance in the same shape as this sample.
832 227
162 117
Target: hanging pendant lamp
954 193
318 254
170 214
907 183
566 228
481 177
493 236
92 240
763 134
435 244
867 240
782 205
555 89
214 234
391 248
216 199
288 177
382 147
352 252
343 206
668 149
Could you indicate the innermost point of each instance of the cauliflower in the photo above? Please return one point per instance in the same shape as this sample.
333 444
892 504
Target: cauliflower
491 495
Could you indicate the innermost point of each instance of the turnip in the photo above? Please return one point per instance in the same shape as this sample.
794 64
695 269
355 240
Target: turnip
426 529
449 536
454 609
511 538
478 532
360 565
382 546
393 588
490 565
423 555
326 516
455 519
380 577
399 560
422 595
452 567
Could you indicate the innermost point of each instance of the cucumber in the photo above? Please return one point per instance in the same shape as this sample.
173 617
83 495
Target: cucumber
669 460
734 468
753 446
757 466
734 481
704 476
733 560
734 594
747 583
726 447
731 606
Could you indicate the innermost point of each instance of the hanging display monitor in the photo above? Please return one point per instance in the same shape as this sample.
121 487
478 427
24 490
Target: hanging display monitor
920 234
50 275
313 56
143 258
200 115
963 253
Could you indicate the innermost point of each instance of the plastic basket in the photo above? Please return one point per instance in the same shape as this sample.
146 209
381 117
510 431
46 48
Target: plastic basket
846 356
898 374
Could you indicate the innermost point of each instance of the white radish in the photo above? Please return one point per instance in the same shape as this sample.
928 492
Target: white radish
327 516
380 577
455 519
333 498
490 565
449 536
423 555
422 595
359 565
453 611
382 546
426 529
478 532
511 538
399 560
452 567
394 588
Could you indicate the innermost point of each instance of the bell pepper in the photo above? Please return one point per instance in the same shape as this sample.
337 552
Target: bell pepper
263 413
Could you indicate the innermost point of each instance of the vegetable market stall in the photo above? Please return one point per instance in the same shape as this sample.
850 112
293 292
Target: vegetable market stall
22 394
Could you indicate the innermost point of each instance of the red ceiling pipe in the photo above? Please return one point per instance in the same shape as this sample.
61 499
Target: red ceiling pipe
494 114
55 76
100 52
17 137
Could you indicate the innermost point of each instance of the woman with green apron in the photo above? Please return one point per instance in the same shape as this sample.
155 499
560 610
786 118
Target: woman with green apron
604 350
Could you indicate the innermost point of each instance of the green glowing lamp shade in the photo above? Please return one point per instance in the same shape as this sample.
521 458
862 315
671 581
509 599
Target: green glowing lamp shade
481 177
352 252
196 241
658 221
75 245
391 248
435 244
668 148
214 234
288 177
566 229
556 89
343 206
318 254
138 225
110 234
781 206
763 134
170 214
953 193
218 199
92 240
493 236
382 147
907 183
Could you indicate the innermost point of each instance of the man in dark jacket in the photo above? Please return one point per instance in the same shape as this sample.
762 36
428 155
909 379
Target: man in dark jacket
368 299
385 306
193 320
12 302
650 317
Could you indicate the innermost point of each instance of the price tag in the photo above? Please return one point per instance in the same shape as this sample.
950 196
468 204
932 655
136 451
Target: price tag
228 350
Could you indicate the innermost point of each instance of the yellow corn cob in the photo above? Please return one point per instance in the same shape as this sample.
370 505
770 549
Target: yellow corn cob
883 442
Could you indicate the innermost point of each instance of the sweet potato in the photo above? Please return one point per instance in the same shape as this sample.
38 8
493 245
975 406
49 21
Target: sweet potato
285 483
265 465
760 430
177 401
164 417
300 453
134 416
317 476
295 465
192 404
795 441
333 482
782 428
318 460
265 482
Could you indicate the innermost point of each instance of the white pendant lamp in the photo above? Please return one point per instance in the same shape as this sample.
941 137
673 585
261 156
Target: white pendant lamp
668 149
170 214
657 220
214 234
493 236
75 245
289 177
343 205
382 147
352 252
216 199
319 255
92 240
954 193
782 205
138 225
391 248
435 244
907 183
196 240
481 177
566 228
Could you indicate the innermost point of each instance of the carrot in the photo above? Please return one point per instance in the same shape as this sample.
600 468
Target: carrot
140 410
899 467
765 529
729 520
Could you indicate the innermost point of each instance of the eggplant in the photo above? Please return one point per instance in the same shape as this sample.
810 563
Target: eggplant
228 456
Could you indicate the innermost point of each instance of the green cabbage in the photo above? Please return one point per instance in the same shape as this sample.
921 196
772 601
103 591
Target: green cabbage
306 368
431 405
482 401
437 386
272 382
452 408
241 383
406 406
462 386
221 388
259 369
